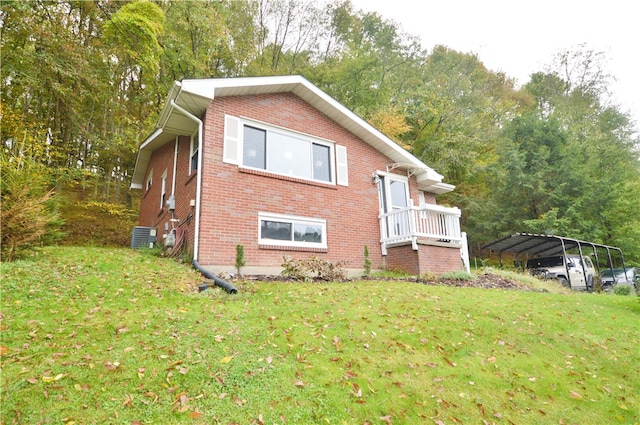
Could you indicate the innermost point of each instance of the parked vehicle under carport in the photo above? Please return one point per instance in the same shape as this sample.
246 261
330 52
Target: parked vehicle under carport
577 272
619 276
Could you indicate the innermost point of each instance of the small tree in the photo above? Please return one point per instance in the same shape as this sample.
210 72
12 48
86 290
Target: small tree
240 261
367 262
29 217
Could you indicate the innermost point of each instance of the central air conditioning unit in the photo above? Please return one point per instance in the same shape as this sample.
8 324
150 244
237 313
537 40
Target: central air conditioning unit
144 237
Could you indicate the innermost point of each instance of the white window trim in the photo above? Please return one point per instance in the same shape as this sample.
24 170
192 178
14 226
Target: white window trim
149 181
293 219
193 148
242 121
284 131
163 190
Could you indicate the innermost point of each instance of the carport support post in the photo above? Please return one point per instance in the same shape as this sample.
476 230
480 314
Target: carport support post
584 268
566 263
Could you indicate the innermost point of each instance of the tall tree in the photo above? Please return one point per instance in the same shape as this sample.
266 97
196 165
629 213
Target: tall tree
368 61
456 112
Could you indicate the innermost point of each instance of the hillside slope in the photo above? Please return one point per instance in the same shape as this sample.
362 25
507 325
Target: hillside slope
96 335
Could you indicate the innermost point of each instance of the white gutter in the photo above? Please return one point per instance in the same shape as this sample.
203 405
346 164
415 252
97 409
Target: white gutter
199 177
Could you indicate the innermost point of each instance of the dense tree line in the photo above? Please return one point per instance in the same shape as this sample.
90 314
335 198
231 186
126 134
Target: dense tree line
82 83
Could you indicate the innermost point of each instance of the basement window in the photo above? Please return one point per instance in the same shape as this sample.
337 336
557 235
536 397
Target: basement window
294 231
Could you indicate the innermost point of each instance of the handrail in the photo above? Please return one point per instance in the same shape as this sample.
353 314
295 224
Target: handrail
426 221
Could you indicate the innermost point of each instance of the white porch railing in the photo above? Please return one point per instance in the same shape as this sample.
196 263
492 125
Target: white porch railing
431 222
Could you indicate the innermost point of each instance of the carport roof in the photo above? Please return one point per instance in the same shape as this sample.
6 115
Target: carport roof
540 245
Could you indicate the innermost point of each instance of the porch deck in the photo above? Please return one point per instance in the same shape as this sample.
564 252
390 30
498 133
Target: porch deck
426 223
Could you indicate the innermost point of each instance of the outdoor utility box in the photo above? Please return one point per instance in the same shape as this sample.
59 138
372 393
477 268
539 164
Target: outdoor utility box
144 237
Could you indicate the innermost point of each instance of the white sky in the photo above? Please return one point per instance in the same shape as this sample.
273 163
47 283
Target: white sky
520 38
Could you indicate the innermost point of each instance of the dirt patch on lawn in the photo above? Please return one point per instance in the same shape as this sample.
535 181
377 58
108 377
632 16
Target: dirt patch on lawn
487 281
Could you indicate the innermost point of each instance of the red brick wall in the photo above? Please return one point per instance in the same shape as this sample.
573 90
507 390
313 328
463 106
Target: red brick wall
428 258
403 259
185 189
231 204
439 259
231 198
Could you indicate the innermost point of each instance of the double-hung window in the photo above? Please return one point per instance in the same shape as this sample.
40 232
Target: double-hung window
193 153
284 152
163 190
149 180
279 229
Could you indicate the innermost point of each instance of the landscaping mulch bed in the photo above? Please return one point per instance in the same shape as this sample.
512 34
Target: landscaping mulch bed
486 281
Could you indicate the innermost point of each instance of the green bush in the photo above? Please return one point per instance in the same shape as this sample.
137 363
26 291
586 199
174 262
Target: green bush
29 208
367 261
622 289
96 223
240 261
460 275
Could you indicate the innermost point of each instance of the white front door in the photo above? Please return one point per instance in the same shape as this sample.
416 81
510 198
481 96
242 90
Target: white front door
394 196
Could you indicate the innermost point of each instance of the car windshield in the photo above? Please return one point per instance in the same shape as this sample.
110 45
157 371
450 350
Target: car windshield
617 272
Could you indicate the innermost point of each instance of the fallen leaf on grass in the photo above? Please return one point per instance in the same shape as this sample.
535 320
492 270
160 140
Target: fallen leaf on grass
226 359
575 395
386 419
299 384
357 391
111 366
174 364
53 378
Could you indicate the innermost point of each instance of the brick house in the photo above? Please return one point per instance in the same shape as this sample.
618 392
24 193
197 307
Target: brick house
278 166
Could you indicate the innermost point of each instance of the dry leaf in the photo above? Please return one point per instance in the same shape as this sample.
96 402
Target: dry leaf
111 366
575 395
226 359
357 391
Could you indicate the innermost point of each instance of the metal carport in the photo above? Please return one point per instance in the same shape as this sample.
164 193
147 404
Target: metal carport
535 245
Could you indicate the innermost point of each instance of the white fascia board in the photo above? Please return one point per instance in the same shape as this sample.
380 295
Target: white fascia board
209 88
142 161
439 188
212 87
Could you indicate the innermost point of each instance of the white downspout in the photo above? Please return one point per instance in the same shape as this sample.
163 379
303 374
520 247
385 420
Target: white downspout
199 177
175 169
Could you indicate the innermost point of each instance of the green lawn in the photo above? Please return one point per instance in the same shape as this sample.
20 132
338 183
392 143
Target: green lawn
98 336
